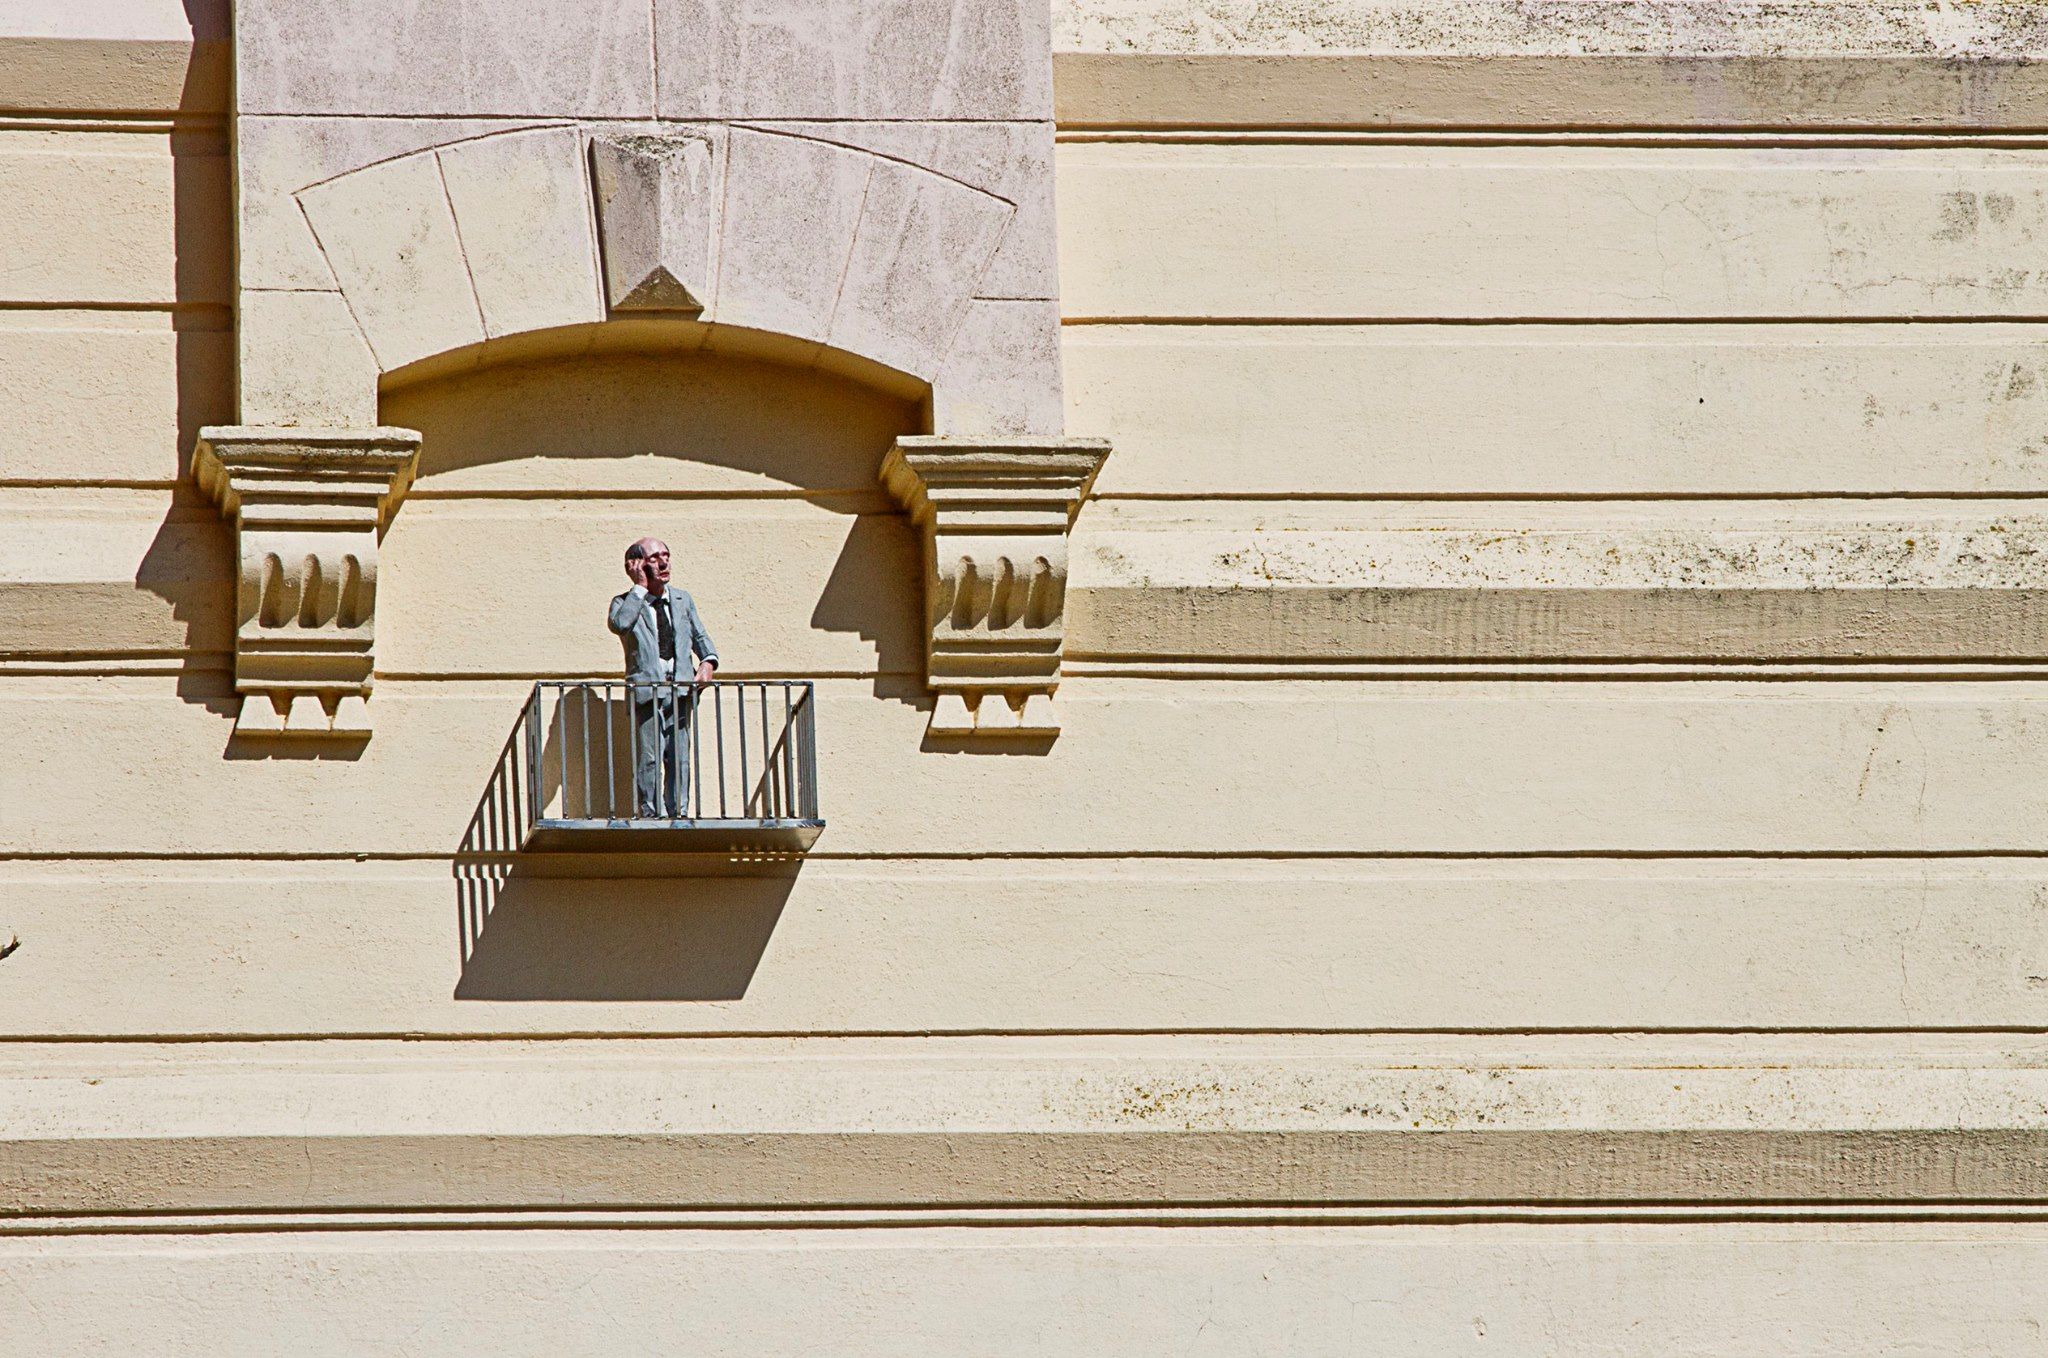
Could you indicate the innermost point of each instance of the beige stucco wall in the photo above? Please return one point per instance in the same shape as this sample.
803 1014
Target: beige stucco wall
1543 840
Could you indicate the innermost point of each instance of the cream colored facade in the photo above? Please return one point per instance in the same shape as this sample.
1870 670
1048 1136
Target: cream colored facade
1529 838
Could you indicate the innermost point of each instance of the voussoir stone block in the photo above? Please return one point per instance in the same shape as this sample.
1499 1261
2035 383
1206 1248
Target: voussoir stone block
658 203
923 244
523 214
275 158
390 236
792 206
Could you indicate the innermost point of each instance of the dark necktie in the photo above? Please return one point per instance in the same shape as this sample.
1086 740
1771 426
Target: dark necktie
664 620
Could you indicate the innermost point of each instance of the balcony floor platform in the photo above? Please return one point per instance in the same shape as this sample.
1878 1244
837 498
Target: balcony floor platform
674 836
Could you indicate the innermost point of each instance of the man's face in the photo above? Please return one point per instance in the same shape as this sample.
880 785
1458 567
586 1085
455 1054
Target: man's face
657 564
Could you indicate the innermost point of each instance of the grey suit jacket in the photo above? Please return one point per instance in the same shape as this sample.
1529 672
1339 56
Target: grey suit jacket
632 617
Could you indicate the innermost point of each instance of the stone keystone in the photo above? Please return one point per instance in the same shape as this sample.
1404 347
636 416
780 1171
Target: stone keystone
655 203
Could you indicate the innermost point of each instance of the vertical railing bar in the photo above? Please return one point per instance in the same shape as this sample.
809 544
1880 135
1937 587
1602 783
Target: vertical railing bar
739 699
508 794
633 743
611 762
811 751
515 796
661 750
584 708
767 755
788 756
674 728
533 750
718 716
696 788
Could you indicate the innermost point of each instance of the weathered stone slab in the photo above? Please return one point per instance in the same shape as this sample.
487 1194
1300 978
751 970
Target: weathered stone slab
1002 375
898 59
302 360
792 206
277 157
522 206
1548 582
444 60
110 398
1817 1288
1497 63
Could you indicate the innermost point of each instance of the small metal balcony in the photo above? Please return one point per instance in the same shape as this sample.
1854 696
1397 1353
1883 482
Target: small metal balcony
745 751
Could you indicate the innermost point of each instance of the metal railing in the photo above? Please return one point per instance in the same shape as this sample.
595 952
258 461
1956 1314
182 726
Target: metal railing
728 755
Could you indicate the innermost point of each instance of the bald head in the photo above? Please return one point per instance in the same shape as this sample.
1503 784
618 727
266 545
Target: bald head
647 564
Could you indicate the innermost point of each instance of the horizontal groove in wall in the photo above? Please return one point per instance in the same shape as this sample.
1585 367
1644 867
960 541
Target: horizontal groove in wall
196 316
1646 139
97 120
1114 665
912 1218
1192 1030
1662 321
1101 665
1261 855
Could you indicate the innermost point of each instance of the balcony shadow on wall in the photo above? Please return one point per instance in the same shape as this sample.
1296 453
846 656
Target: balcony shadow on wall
608 927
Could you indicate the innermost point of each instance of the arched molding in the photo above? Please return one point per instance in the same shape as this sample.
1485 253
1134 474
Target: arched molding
668 335
748 231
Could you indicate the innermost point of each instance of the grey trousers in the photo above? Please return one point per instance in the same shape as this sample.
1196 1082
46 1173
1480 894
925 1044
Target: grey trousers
661 752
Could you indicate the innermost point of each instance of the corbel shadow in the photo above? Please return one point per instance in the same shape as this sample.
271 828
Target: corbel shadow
190 560
621 926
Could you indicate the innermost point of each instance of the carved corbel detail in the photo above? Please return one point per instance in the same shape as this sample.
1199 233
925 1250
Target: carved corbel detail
309 506
995 515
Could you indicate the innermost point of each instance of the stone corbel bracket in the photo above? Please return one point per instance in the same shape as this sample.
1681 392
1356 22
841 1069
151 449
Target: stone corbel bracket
308 507
996 515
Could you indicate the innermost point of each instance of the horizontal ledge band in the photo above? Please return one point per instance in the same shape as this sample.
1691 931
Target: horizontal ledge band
942 1167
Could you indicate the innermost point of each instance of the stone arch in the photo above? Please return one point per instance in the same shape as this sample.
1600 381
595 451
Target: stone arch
835 253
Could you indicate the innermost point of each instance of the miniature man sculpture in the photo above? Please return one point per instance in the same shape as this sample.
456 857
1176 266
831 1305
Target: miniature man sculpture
659 628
